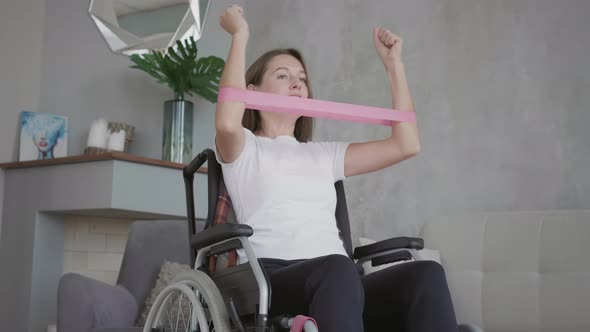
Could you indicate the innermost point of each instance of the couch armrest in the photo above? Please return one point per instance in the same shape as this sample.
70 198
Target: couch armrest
85 304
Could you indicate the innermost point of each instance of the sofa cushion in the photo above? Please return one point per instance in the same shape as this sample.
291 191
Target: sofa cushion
517 271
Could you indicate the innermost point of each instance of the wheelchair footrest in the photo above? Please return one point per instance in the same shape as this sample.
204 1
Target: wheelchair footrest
300 322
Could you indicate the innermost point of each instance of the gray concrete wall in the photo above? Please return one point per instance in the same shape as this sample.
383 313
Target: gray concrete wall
500 89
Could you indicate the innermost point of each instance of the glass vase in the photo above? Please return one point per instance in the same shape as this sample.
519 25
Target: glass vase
177 141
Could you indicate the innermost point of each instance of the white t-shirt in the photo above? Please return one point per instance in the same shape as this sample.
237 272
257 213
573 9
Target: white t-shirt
284 190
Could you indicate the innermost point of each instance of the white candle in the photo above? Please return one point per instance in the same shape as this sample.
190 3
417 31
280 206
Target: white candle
98 134
117 141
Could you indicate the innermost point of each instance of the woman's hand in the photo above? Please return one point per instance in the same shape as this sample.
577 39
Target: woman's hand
233 21
388 46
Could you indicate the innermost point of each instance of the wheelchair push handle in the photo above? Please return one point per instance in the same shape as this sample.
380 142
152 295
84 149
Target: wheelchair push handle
197 162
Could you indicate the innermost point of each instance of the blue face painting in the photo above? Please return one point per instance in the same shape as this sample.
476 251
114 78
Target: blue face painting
46 130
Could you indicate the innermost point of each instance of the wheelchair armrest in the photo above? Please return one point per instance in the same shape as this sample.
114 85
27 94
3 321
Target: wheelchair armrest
469 328
392 257
213 235
386 246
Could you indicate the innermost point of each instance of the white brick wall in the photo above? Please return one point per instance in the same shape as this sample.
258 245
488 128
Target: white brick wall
94 246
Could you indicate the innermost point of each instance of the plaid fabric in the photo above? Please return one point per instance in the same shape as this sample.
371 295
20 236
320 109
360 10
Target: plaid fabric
224 213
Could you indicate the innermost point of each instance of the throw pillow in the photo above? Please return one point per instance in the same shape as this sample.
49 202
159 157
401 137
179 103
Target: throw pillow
168 272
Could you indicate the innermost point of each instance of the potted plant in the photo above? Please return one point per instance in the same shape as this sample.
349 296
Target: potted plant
184 74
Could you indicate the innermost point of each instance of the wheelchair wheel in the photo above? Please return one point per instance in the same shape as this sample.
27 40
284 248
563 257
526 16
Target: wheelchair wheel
192 302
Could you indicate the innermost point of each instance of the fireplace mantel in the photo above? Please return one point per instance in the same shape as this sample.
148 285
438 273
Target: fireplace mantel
37 195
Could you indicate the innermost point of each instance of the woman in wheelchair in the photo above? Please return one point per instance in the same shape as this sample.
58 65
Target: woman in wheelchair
282 185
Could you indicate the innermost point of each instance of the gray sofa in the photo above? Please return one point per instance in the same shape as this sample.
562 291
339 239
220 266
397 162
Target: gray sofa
517 271
86 304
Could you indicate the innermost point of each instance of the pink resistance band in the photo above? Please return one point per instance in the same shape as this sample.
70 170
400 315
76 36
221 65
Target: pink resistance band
315 108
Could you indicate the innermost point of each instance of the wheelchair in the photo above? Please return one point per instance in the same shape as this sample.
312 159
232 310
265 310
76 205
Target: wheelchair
238 298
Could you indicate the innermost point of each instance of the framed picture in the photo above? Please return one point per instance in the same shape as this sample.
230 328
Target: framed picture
42 136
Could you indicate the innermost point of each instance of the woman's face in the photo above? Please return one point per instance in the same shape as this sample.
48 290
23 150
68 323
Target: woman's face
45 140
284 76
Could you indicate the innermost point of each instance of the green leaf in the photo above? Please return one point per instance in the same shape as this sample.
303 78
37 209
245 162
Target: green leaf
205 82
182 71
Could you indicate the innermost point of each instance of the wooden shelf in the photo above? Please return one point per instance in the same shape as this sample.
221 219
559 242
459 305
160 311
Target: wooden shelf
96 157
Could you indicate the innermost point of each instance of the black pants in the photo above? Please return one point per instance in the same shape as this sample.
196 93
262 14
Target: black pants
407 297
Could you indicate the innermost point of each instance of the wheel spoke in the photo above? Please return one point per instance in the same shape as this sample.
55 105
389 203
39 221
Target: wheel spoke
192 302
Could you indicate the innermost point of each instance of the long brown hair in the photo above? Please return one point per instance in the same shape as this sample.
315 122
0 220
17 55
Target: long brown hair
251 120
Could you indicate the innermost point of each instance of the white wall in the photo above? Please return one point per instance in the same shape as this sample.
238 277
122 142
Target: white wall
21 45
